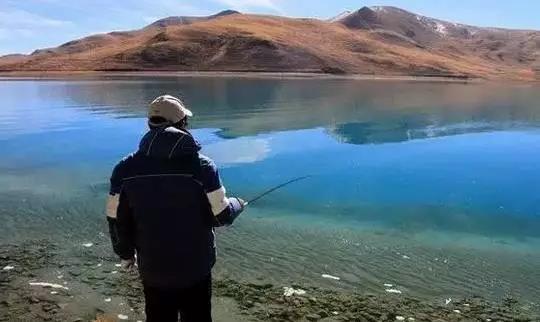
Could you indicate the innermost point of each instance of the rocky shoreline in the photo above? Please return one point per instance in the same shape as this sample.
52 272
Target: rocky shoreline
39 283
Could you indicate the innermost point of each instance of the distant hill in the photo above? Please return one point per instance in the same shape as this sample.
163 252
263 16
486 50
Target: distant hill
186 20
371 40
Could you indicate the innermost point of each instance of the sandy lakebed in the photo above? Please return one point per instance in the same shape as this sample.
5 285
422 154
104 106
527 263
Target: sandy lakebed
39 283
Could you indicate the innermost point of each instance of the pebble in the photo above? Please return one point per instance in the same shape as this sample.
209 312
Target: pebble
123 317
393 291
411 319
331 277
114 272
108 299
289 291
54 292
88 245
118 265
457 311
400 318
388 285
48 285
406 257
8 268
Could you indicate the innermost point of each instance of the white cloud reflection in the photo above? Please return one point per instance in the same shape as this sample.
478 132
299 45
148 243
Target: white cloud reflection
238 151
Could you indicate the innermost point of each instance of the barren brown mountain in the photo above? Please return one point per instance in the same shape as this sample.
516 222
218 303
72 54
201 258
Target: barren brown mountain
372 41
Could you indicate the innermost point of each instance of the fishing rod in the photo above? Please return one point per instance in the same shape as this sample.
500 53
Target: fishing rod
269 191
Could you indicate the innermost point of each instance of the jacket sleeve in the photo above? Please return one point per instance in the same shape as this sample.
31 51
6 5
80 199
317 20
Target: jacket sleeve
224 209
124 245
119 215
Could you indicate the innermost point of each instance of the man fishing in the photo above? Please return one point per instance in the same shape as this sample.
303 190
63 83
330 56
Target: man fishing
165 200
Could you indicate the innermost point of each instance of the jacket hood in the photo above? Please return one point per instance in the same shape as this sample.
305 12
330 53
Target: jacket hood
168 143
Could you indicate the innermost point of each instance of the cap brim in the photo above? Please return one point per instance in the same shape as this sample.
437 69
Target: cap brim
187 112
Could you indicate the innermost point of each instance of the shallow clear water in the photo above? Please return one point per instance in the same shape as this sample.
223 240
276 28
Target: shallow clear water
430 187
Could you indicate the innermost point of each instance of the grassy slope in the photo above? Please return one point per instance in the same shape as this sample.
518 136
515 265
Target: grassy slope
265 43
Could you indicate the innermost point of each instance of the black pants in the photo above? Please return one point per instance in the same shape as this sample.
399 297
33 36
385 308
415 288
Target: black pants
193 303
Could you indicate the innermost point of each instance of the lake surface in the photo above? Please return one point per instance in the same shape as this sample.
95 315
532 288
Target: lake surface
431 187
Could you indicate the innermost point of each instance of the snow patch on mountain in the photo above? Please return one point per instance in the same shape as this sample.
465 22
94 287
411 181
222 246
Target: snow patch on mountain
342 15
378 8
440 28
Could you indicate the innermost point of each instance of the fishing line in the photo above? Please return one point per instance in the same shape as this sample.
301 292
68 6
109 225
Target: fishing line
269 191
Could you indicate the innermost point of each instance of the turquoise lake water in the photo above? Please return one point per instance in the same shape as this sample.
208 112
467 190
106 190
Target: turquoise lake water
432 187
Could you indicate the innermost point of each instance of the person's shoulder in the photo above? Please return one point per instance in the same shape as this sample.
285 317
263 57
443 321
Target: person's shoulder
125 161
120 172
121 167
206 162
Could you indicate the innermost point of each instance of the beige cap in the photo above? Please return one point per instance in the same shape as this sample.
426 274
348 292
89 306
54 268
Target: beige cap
170 108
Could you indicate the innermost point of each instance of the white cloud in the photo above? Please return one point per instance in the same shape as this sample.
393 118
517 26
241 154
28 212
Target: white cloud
21 19
16 33
248 4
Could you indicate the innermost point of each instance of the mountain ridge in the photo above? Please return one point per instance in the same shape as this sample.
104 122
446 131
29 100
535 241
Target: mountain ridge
379 40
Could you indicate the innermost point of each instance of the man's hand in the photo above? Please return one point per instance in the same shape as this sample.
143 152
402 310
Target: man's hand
242 202
128 264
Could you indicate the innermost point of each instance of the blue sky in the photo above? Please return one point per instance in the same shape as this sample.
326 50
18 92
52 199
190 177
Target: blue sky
29 24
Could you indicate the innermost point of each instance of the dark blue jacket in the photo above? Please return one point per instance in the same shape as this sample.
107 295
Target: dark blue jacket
169 199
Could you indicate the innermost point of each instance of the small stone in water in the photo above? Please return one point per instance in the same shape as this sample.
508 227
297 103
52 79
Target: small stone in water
411 319
335 313
289 291
114 272
118 265
123 317
54 292
331 277
8 268
108 299
48 285
400 318
406 257
392 290
388 285
87 245
457 311
99 265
